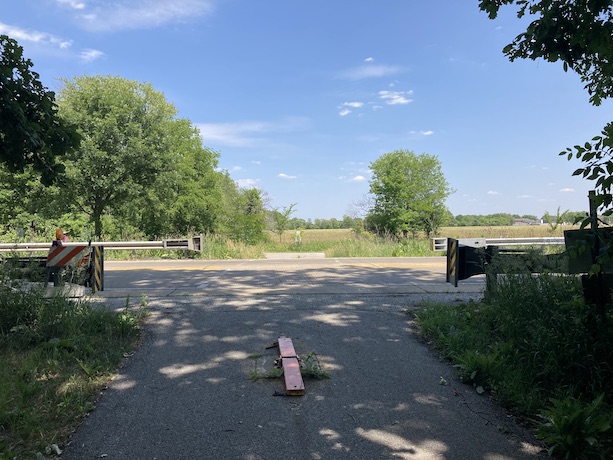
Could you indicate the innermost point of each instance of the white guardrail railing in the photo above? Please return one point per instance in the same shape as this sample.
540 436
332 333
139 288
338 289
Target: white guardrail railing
190 244
440 244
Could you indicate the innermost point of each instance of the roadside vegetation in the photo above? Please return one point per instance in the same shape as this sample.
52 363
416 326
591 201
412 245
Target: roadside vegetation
540 351
56 355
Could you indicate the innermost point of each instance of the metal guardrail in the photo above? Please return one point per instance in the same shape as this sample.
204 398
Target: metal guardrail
191 244
440 244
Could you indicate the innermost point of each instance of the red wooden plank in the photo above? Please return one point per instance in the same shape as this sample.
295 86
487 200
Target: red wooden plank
294 385
286 347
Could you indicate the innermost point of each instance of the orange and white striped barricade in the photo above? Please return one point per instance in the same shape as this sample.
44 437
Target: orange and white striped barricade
67 256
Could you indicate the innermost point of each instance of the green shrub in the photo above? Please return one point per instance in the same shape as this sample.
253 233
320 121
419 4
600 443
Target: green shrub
532 341
577 430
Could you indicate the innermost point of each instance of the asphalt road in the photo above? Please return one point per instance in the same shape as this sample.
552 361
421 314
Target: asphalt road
188 392
399 275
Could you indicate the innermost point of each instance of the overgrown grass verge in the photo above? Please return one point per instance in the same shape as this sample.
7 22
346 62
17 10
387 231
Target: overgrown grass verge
538 349
56 355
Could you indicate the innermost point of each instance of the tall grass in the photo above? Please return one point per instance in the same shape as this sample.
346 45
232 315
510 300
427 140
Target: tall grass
540 351
55 357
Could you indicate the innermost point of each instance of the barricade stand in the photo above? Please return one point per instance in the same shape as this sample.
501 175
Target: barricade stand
59 257
97 276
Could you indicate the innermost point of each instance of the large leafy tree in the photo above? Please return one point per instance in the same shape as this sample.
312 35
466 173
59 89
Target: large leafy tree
186 196
244 216
125 131
409 194
31 133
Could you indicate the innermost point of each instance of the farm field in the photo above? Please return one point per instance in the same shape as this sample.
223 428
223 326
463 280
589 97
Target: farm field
518 231
514 231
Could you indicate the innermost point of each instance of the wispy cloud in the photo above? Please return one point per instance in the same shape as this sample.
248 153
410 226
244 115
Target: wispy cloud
247 183
107 16
345 107
396 97
358 179
90 55
493 193
567 190
370 71
248 133
33 36
74 4
286 176
423 133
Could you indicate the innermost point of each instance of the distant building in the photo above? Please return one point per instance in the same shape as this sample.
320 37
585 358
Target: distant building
523 221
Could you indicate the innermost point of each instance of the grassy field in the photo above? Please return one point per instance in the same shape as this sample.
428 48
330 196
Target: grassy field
340 243
519 231
337 243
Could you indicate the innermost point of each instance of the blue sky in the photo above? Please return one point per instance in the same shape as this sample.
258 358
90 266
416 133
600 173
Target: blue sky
299 98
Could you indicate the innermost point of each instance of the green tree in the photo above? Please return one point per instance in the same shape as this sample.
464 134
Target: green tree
31 132
186 197
409 193
281 219
246 217
125 139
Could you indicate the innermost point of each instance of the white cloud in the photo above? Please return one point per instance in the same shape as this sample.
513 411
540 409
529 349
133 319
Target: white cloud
525 197
236 168
370 71
75 4
427 133
140 14
43 38
247 183
345 107
491 192
286 176
256 162
396 97
369 59
248 133
358 179
567 190
90 55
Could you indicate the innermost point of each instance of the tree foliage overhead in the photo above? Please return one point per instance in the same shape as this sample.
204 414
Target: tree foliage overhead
580 34
577 32
409 193
31 133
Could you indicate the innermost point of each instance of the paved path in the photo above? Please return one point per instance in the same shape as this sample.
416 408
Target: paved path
187 393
